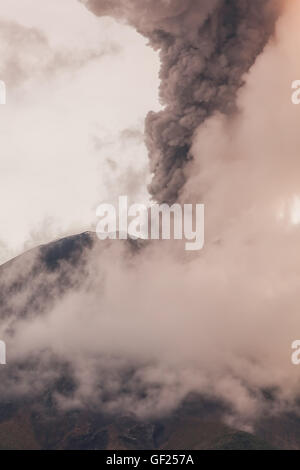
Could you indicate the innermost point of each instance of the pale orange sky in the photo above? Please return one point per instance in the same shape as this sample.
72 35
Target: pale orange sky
71 132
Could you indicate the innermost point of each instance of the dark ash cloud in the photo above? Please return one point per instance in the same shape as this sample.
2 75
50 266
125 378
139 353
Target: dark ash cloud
206 47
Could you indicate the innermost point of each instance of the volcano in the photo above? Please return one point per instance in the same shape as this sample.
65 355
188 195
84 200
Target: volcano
34 420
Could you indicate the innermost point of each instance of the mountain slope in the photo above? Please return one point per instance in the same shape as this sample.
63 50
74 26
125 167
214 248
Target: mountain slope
34 421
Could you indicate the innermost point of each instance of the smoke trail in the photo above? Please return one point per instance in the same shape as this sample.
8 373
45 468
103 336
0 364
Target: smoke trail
206 46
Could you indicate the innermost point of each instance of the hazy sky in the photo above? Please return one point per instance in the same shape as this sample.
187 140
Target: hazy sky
78 92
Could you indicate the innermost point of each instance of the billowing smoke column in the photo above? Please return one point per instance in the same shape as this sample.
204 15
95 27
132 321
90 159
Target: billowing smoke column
206 46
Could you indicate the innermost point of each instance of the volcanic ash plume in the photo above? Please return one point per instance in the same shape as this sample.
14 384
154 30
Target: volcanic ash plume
206 46
137 330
